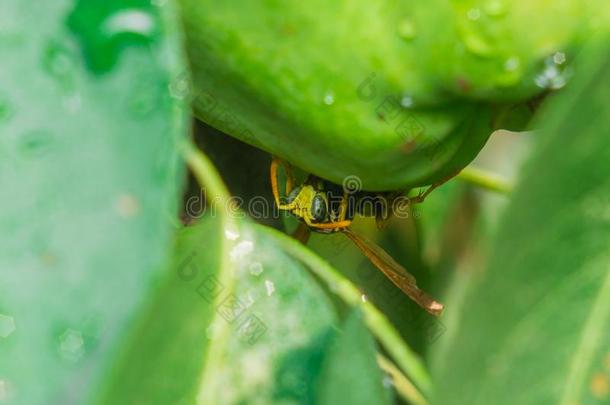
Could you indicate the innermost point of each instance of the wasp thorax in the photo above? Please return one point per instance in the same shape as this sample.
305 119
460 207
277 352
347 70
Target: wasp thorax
293 194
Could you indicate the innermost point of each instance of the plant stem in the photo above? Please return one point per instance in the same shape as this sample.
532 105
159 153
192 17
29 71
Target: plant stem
484 179
218 196
404 387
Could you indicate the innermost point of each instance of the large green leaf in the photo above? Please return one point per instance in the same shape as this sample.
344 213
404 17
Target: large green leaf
258 338
536 327
350 374
88 174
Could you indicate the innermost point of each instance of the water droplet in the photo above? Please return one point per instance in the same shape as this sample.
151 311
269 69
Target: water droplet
241 250
387 381
512 64
406 101
270 287
231 234
495 8
473 14
559 58
71 345
60 63
132 21
511 73
7 326
554 74
104 32
35 143
364 298
477 45
180 87
127 206
407 30
329 98
255 268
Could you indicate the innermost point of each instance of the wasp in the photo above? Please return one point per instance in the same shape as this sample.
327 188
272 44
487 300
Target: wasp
326 207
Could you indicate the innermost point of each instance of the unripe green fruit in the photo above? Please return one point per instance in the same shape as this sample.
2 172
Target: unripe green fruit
398 93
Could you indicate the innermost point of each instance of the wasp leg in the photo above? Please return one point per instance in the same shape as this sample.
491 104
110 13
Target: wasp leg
275 162
422 195
330 226
302 233
386 212
343 207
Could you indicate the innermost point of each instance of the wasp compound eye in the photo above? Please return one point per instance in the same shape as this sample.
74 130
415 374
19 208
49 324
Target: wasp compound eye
293 194
318 208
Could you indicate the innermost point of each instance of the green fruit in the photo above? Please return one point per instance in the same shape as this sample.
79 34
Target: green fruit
398 93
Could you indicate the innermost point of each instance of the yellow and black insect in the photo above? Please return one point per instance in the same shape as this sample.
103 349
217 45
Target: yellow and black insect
327 207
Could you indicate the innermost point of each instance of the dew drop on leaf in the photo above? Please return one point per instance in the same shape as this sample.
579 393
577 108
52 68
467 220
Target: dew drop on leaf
559 58
512 64
474 41
554 74
133 21
71 345
269 287
104 30
387 381
407 30
406 101
512 72
231 234
495 8
60 63
255 268
241 250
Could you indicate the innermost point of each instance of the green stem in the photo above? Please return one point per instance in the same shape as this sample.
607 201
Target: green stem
379 325
484 179
218 196
404 387
207 176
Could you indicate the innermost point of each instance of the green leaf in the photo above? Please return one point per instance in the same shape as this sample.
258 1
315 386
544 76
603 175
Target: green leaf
350 373
536 328
89 177
270 325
